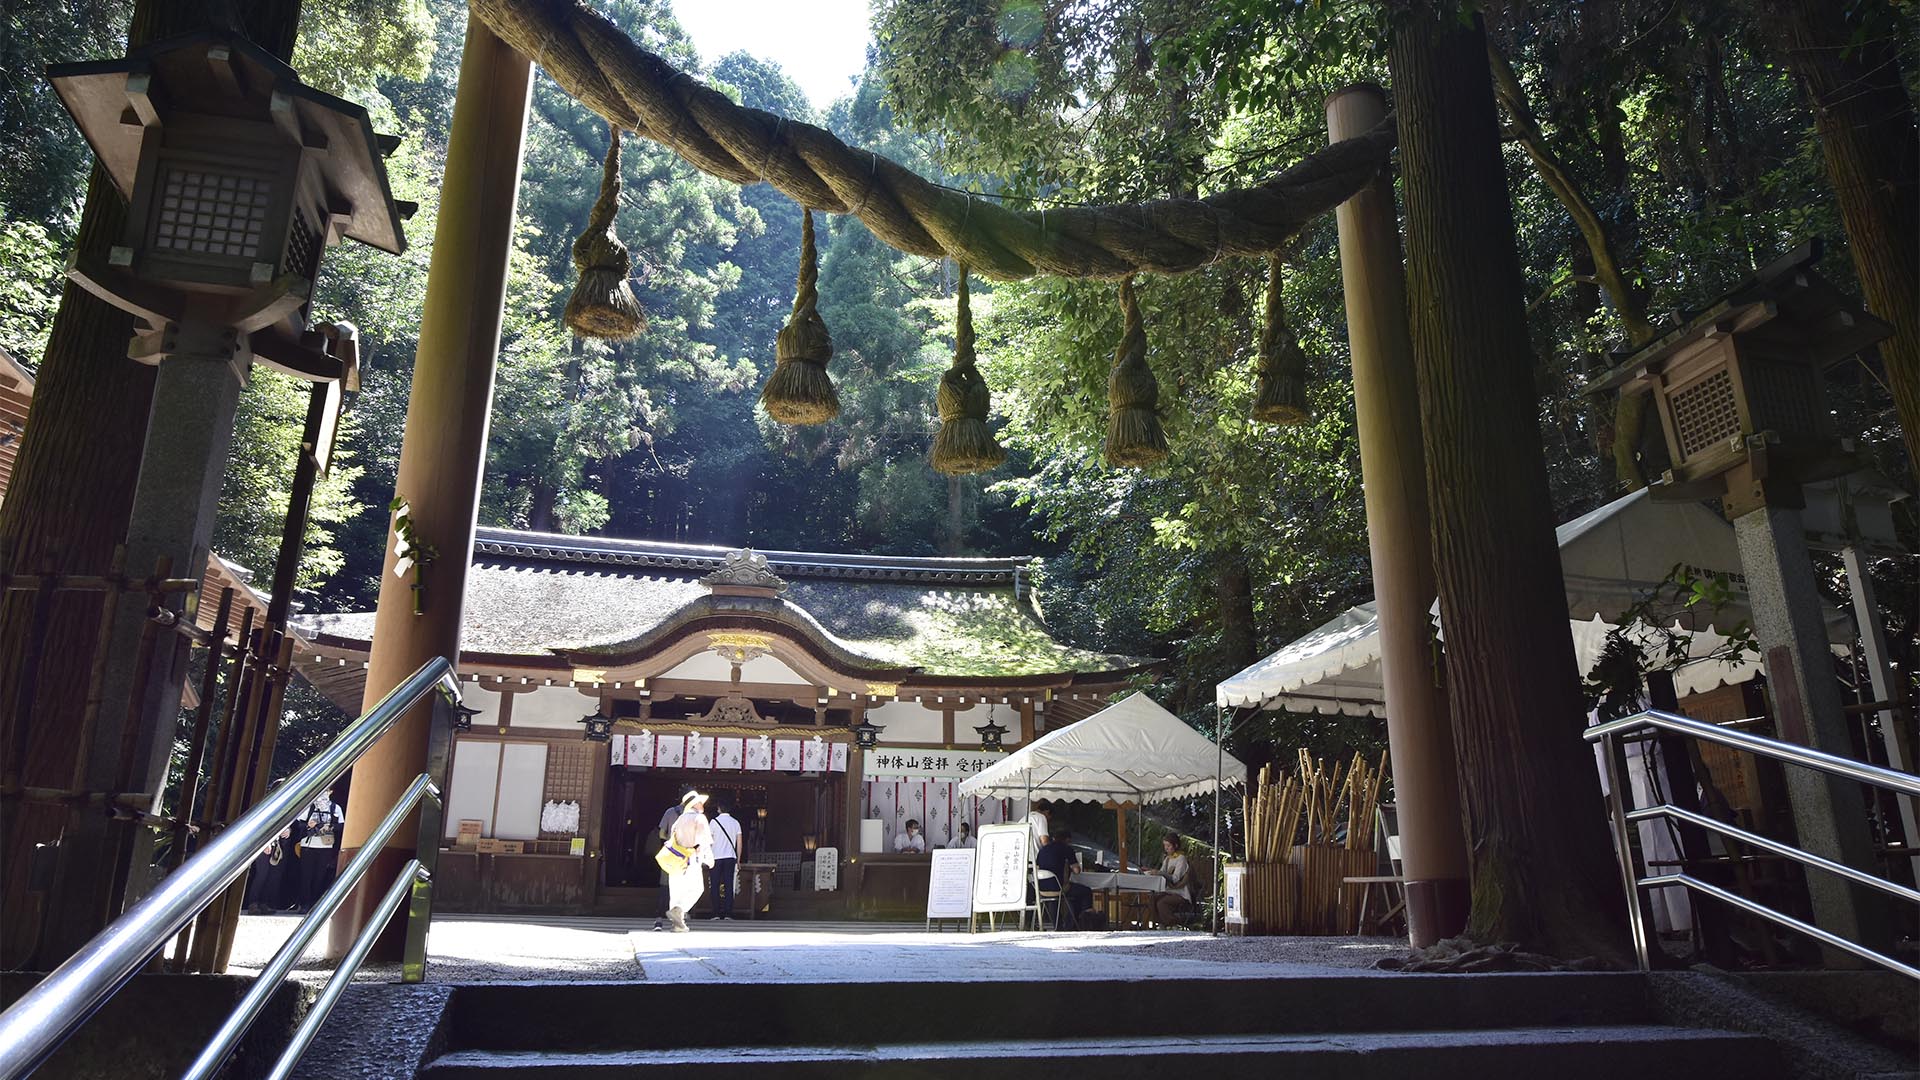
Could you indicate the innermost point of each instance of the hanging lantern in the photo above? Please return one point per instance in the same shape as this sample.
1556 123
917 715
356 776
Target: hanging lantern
800 391
964 444
603 305
991 732
1134 437
1280 392
599 727
866 733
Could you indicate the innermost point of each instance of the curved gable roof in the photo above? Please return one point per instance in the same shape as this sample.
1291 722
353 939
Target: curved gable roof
544 596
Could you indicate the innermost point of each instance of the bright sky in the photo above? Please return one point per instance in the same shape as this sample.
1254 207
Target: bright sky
820 43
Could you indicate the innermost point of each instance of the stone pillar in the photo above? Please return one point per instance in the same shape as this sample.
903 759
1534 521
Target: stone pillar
445 440
190 424
1387 409
1873 643
1828 813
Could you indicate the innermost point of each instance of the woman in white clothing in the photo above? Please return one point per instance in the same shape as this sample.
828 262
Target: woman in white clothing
692 835
1178 893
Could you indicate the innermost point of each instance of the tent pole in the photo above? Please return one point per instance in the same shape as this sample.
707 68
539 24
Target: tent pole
1219 769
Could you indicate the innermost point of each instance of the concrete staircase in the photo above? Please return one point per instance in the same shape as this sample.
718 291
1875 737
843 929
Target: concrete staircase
1435 1027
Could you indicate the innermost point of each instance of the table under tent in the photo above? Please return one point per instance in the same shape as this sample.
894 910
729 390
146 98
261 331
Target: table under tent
1131 753
1612 559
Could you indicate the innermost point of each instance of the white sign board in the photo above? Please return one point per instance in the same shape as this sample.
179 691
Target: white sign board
1002 856
826 869
950 884
928 764
1236 880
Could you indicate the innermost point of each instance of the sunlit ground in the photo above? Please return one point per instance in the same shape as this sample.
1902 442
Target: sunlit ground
508 948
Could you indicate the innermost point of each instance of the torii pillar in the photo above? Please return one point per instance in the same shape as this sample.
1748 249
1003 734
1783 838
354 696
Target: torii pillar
1433 848
444 447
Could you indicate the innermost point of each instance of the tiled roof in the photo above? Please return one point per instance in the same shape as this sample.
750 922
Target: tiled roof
544 596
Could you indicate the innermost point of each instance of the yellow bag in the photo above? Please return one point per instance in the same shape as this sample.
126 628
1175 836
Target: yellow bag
672 859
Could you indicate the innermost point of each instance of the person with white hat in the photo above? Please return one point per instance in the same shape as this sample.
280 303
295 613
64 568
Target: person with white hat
691 848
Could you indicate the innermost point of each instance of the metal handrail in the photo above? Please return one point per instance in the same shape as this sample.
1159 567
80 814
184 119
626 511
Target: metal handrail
45 1016
1784 752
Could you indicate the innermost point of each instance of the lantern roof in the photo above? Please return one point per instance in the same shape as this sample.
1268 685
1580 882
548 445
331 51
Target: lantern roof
221 74
1786 299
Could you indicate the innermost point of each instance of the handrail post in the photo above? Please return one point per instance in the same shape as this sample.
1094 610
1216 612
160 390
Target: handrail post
413 957
1623 848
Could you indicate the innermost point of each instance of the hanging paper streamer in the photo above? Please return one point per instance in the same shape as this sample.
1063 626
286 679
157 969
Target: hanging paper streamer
786 755
759 754
699 751
669 751
813 755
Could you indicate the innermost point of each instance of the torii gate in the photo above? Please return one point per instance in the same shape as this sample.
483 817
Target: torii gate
444 445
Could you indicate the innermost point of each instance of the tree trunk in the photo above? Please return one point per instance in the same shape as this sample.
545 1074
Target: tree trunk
1629 303
540 513
956 539
68 504
1543 874
1234 593
1867 134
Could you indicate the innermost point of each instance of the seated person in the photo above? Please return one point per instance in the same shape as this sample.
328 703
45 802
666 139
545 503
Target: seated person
1056 861
1177 896
911 841
963 838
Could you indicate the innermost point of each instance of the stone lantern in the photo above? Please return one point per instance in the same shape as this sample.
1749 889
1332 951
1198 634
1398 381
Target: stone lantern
1740 393
238 177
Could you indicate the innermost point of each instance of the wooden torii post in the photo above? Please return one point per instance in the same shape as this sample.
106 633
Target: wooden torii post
445 442
445 435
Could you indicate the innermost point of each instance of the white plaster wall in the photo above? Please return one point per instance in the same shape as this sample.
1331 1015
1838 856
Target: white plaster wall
710 666
487 701
556 707
907 722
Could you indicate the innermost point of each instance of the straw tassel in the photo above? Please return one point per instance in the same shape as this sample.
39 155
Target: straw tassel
1134 436
1280 393
603 305
964 444
800 391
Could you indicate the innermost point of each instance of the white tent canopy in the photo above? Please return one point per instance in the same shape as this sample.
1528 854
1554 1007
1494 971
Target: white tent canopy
1611 559
1130 751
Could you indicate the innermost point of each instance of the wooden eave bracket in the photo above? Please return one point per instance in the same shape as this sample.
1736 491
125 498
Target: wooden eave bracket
123 290
270 303
295 358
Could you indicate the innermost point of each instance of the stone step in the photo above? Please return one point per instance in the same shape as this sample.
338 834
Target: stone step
1561 1052
611 1017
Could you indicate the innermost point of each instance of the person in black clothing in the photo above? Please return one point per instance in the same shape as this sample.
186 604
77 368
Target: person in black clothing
1057 859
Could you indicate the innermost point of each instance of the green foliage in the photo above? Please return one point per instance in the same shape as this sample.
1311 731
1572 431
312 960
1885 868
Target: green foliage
29 287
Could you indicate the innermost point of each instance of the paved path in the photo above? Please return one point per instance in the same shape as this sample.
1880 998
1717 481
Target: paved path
534 948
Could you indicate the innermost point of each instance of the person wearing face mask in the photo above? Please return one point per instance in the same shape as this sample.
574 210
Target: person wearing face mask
910 842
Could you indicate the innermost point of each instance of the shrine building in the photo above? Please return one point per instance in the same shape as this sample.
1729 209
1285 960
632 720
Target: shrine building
611 675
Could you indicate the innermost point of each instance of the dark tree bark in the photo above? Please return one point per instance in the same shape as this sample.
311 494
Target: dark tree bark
1543 872
1234 592
1867 134
71 493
